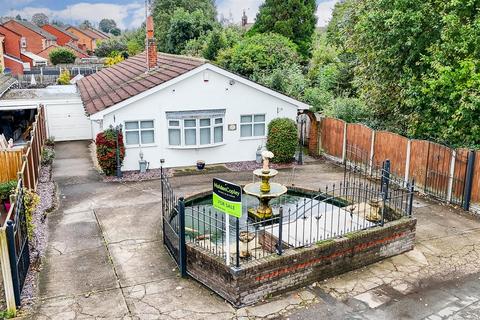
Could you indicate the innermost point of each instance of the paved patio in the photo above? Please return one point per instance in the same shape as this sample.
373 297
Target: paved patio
105 258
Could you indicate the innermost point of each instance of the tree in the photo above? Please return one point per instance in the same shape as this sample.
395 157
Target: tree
61 56
18 17
115 31
40 19
185 26
85 24
135 40
106 47
294 19
106 25
58 23
163 11
261 53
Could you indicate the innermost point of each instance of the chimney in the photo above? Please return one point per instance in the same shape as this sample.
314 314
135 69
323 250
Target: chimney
151 45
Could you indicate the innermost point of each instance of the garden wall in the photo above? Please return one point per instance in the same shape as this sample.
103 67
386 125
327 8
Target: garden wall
299 267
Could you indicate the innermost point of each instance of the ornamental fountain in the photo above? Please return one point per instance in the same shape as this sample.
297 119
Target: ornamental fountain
264 191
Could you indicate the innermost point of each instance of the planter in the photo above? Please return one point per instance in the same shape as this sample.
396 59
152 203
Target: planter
200 164
6 205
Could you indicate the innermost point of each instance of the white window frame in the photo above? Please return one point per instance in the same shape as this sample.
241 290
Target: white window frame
197 129
252 124
23 42
139 130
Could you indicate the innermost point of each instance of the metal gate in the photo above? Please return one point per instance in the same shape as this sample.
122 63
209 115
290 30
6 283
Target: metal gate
18 249
173 224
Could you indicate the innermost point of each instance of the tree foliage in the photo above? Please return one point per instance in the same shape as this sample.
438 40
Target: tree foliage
61 56
185 26
163 11
261 53
106 47
282 139
294 19
40 19
85 24
106 25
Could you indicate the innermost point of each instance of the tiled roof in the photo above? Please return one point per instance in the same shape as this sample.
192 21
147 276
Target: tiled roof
75 48
100 33
6 82
71 35
36 29
92 34
129 78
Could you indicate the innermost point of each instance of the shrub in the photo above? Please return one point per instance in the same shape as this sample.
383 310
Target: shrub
61 56
7 188
47 156
282 139
348 109
64 78
114 58
50 142
30 201
106 150
105 48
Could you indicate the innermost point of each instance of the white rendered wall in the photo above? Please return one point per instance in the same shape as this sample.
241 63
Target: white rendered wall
196 94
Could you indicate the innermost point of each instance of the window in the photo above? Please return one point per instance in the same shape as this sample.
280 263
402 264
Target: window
252 125
139 133
23 42
192 132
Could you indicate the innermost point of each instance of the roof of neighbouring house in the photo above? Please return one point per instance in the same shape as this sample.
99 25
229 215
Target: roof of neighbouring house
36 29
71 35
92 34
6 82
100 33
129 78
34 57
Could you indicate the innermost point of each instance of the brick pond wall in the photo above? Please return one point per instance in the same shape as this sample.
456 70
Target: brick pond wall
299 267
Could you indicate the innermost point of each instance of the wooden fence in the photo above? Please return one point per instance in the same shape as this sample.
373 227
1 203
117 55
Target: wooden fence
25 162
437 170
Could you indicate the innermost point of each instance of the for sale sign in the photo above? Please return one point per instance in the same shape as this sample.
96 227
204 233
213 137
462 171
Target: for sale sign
227 197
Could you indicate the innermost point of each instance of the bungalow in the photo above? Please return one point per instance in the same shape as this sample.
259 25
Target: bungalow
182 109
34 39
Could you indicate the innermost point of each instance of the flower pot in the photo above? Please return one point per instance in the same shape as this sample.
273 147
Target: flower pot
6 205
200 165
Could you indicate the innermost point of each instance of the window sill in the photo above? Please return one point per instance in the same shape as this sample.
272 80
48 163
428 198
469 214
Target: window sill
138 146
253 138
197 147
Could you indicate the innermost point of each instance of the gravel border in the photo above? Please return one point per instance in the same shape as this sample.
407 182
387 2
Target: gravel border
252 165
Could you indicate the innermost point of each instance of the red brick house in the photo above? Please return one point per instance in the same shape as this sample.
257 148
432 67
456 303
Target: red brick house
63 36
34 39
11 50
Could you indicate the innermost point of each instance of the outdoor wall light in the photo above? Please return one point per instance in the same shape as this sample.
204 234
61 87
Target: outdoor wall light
231 82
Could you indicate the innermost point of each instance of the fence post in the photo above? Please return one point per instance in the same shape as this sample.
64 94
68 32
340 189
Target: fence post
384 187
451 176
280 236
237 237
182 245
7 272
372 151
407 162
13 261
469 180
344 148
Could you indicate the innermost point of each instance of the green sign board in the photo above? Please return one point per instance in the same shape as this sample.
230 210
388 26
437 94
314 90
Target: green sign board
227 197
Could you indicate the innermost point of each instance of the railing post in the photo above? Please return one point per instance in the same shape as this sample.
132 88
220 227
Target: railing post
410 200
7 272
13 261
344 147
469 180
372 153
163 204
384 187
280 231
182 245
237 237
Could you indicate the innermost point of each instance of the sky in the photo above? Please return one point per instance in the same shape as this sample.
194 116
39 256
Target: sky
130 13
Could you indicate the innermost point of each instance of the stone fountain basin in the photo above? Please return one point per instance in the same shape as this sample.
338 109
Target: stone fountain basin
276 190
267 174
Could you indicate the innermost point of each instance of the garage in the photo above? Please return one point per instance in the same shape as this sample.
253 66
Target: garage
65 115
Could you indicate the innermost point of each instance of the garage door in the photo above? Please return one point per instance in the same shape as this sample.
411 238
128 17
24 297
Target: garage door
68 122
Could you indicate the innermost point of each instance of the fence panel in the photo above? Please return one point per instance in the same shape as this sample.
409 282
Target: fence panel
10 163
332 131
391 146
418 161
476 179
360 137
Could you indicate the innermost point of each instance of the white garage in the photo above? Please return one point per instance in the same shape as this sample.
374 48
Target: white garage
65 115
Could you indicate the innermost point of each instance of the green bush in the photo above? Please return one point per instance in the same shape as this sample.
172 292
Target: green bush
348 109
47 156
282 139
106 150
7 188
61 56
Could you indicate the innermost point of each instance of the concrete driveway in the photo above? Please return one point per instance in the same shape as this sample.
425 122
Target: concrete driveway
105 258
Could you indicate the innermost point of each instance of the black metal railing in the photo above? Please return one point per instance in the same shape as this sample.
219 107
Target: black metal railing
353 205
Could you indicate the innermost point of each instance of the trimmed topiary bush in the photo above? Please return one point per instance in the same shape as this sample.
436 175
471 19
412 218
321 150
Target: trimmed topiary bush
106 150
282 139
61 56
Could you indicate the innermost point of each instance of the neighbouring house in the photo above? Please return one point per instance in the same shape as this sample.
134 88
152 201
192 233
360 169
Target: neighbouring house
63 36
76 50
182 109
34 39
87 38
34 60
12 53
101 34
2 63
